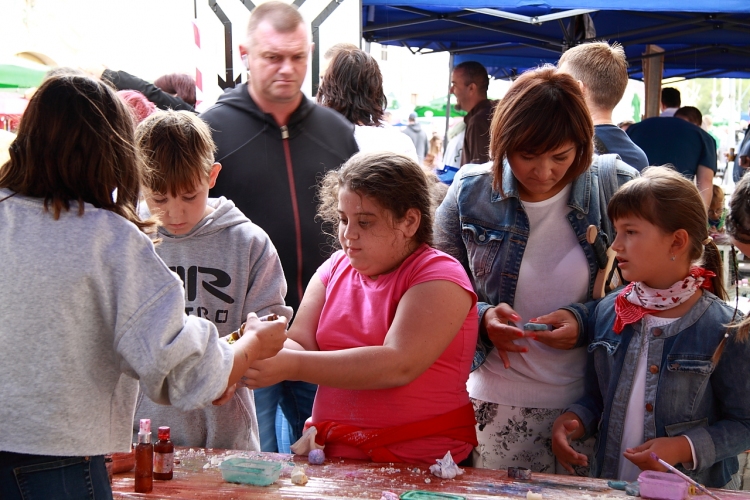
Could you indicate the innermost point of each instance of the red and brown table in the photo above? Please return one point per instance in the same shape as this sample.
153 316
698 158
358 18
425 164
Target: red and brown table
356 479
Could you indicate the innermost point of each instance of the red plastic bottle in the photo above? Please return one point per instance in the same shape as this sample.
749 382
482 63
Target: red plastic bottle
144 459
163 455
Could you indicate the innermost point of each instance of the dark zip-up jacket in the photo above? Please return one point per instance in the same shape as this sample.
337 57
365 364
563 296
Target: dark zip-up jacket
259 158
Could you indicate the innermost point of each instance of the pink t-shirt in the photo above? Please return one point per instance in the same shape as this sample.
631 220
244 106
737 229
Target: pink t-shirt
358 312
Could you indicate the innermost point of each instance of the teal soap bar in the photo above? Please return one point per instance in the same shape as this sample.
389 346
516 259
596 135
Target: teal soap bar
255 472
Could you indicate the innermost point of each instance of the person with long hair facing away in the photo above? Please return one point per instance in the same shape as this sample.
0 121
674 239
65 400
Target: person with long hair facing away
669 366
353 86
387 326
88 308
519 226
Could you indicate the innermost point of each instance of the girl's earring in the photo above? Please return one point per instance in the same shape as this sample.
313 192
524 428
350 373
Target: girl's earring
673 257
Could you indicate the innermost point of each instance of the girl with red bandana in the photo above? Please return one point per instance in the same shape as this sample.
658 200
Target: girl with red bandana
666 375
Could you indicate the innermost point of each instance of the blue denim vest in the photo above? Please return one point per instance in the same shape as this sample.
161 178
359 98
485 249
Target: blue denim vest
686 393
487 231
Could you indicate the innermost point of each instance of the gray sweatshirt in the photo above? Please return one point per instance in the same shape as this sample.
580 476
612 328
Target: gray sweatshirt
229 268
87 309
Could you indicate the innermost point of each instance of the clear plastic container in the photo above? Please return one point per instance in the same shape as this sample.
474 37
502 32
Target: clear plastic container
255 472
662 485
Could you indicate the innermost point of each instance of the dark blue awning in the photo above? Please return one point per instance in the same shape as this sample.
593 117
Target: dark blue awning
701 39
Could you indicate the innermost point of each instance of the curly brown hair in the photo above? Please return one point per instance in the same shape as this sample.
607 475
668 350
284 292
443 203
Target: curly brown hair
394 181
353 86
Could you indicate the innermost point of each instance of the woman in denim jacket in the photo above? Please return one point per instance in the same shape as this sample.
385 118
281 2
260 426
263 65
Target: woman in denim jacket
665 374
518 225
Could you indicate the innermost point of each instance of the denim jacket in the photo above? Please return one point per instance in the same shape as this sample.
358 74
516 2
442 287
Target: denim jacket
686 393
487 232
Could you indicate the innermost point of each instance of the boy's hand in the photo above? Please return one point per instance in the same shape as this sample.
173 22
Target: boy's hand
566 428
565 334
266 338
673 450
498 322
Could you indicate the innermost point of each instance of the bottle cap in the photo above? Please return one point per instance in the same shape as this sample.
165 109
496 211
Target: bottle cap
163 433
145 426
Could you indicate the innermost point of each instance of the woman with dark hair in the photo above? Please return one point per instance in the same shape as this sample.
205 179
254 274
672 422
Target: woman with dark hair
387 326
519 226
353 86
88 308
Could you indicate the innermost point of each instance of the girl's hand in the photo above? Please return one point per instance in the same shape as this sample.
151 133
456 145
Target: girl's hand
497 321
266 337
270 371
565 334
566 428
673 450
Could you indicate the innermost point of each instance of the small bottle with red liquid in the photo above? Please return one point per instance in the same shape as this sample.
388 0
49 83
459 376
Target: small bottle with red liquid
163 455
144 459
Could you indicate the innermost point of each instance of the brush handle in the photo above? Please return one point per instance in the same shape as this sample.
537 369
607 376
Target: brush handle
683 476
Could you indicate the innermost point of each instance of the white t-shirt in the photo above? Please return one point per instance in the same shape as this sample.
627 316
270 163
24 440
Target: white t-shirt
384 138
452 156
635 415
554 273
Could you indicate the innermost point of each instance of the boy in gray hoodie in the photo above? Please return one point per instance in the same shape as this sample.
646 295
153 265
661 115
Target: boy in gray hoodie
228 265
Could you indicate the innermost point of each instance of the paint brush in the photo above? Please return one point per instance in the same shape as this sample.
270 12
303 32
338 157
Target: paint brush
699 486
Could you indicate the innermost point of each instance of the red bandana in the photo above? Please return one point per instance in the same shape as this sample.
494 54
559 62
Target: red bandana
637 300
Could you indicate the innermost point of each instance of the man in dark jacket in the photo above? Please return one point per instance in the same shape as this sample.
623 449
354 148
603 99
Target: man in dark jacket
469 83
274 144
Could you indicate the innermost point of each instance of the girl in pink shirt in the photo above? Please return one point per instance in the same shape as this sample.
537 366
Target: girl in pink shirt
388 325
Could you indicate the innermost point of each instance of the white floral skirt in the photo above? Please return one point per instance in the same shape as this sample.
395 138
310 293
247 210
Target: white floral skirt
511 436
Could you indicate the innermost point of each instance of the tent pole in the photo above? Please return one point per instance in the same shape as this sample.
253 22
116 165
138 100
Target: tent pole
448 105
653 68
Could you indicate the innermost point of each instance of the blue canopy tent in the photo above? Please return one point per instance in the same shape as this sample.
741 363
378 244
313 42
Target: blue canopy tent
700 38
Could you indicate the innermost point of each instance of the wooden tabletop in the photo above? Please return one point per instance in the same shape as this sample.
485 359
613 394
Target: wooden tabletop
356 479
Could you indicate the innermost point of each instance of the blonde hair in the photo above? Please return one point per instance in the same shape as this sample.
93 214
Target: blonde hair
178 150
283 17
602 68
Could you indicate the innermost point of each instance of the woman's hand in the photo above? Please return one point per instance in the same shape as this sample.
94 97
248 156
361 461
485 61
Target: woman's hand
565 334
566 428
673 450
497 321
270 371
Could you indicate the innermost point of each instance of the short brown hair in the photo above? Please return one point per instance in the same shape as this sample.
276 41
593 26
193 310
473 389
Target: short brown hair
542 110
690 114
283 17
602 68
474 72
177 148
178 84
353 86
75 145
670 202
394 181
